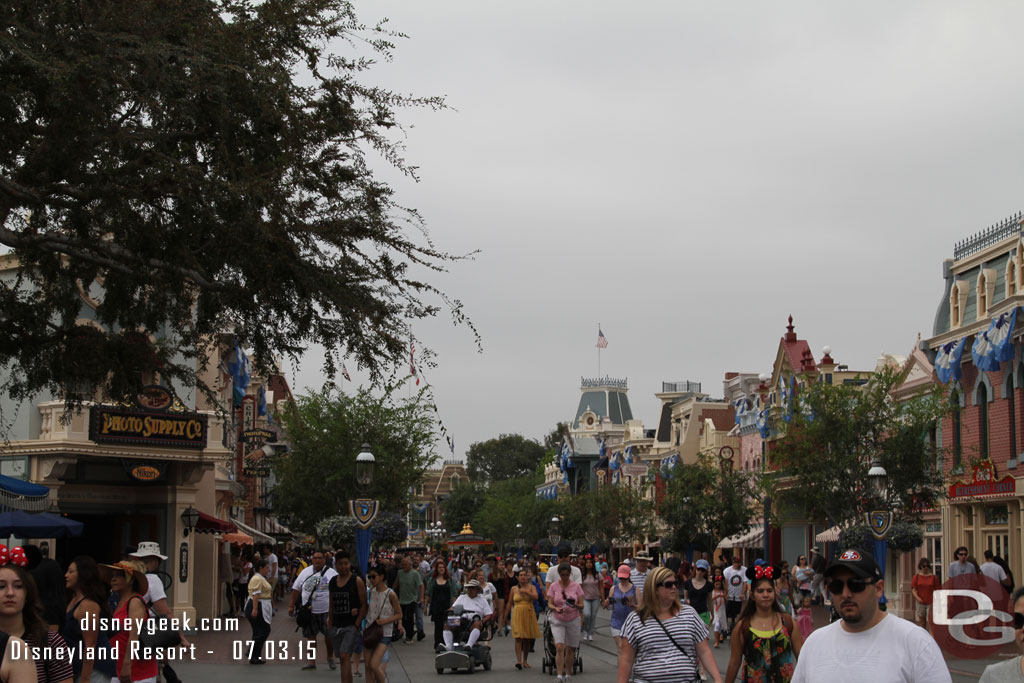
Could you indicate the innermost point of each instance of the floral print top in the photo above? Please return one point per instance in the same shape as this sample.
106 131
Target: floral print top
769 657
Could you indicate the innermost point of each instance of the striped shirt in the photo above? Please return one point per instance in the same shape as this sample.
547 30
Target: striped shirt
638 578
657 659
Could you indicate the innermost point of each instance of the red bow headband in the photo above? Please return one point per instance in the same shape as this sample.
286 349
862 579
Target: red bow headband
763 572
13 556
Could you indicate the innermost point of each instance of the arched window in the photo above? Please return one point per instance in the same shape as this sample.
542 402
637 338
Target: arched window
1012 412
955 310
982 294
981 398
1011 277
958 446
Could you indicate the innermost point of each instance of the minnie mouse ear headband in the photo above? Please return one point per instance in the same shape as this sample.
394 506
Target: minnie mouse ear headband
13 556
765 571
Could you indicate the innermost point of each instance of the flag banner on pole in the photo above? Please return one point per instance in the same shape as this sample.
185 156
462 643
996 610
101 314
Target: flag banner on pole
344 372
412 361
602 341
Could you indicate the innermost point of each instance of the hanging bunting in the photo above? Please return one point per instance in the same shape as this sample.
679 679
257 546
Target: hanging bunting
947 360
762 424
740 406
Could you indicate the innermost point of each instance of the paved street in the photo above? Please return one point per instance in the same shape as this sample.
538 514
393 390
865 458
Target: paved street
214 663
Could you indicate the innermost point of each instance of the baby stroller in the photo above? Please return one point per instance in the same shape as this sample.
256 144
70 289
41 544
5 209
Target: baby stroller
548 665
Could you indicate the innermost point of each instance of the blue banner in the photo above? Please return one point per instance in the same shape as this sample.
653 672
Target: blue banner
363 538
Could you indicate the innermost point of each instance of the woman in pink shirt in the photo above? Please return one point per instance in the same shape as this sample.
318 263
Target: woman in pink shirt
565 599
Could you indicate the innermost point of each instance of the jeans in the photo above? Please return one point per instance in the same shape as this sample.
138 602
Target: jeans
419 617
590 608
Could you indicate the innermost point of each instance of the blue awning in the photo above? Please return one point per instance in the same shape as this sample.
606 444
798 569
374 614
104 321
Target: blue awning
16 494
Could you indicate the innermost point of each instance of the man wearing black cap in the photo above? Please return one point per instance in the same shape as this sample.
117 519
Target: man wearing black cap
867 644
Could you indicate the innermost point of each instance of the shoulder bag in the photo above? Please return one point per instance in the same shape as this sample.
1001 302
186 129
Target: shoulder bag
374 632
691 657
158 630
304 615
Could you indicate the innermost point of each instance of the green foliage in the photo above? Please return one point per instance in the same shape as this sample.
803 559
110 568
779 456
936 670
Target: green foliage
316 479
389 529
858 537
508 503
704 504
506 457
461 505
337 531
824 458
609 513
211 162
906 536
553 439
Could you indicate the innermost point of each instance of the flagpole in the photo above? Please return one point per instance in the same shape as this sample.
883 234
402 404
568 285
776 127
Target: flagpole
599 352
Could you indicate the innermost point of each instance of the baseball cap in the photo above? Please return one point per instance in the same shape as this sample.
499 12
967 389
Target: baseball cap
860 562
703 564
623 571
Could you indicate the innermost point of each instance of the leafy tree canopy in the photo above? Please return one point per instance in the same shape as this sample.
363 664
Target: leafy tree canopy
835 433
316 479
704 503
462 504
209 162
506 457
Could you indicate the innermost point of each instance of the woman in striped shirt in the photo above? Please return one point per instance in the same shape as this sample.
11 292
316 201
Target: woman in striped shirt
663 640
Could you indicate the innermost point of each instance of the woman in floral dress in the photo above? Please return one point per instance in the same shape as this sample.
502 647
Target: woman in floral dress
766 641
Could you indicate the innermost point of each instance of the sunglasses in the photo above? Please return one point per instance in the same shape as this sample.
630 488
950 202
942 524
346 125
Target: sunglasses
671 585
961 554
855 585
1018 620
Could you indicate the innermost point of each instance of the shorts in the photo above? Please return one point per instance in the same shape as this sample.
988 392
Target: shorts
706 618
921 611
615 631
317 625
344 639
566 632
732 608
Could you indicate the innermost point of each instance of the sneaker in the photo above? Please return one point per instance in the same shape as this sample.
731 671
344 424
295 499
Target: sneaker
408 641
308 667
331 663
560 679
420 636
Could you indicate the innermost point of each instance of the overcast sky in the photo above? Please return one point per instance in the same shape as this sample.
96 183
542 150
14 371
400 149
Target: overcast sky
688 175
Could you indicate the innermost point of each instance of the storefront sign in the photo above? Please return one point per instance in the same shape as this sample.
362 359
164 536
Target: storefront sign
253 436
984 483
635 470
117 425
183 562
154 397
145 471
256 470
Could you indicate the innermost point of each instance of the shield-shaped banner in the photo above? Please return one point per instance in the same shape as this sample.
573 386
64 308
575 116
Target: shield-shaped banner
364 511
880 522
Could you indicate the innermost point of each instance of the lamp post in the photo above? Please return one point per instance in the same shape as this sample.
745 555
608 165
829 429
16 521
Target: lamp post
554 532
879 516
364 510
763 391
520 541
189 517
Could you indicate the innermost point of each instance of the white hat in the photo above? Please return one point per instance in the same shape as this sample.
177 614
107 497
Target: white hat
149 549
472 583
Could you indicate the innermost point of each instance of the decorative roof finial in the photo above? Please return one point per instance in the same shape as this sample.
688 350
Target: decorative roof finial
790 334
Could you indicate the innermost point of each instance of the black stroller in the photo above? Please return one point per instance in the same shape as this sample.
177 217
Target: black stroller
548 664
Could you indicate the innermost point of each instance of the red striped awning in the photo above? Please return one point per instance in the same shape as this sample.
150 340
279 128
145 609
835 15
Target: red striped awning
208 524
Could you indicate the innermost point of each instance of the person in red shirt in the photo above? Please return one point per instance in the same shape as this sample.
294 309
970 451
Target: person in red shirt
923 585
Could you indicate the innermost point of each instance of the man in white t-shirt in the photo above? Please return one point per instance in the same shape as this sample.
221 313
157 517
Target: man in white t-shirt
156 598
735 589
552 575
472 603
867 644
993 571
313 581
271 557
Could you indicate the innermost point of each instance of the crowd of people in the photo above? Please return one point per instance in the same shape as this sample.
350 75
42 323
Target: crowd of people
665 619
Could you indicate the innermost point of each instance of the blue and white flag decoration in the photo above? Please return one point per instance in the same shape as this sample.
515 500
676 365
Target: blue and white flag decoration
993 346
669 464
947 361
790 399
613 462
615 477
629 455
239 368
762 424
740 406
785 399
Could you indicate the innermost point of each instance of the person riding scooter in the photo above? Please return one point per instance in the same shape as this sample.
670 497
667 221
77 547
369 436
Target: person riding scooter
472 603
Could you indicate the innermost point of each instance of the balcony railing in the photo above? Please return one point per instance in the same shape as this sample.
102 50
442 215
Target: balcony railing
989 236
606 381
686 387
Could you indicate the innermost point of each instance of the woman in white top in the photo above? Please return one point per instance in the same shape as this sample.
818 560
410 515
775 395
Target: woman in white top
384 610
487 589
1011 670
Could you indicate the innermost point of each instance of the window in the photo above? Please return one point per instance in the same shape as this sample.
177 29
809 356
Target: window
982 295
957 301
954 399
981 399
455 480
1011 277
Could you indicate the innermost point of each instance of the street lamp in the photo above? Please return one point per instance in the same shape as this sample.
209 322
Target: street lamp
554 532
764 377
365 463
520 541
878 481
189 517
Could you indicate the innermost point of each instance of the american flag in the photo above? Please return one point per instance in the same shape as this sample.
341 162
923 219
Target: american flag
412 361
344 372
602 341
